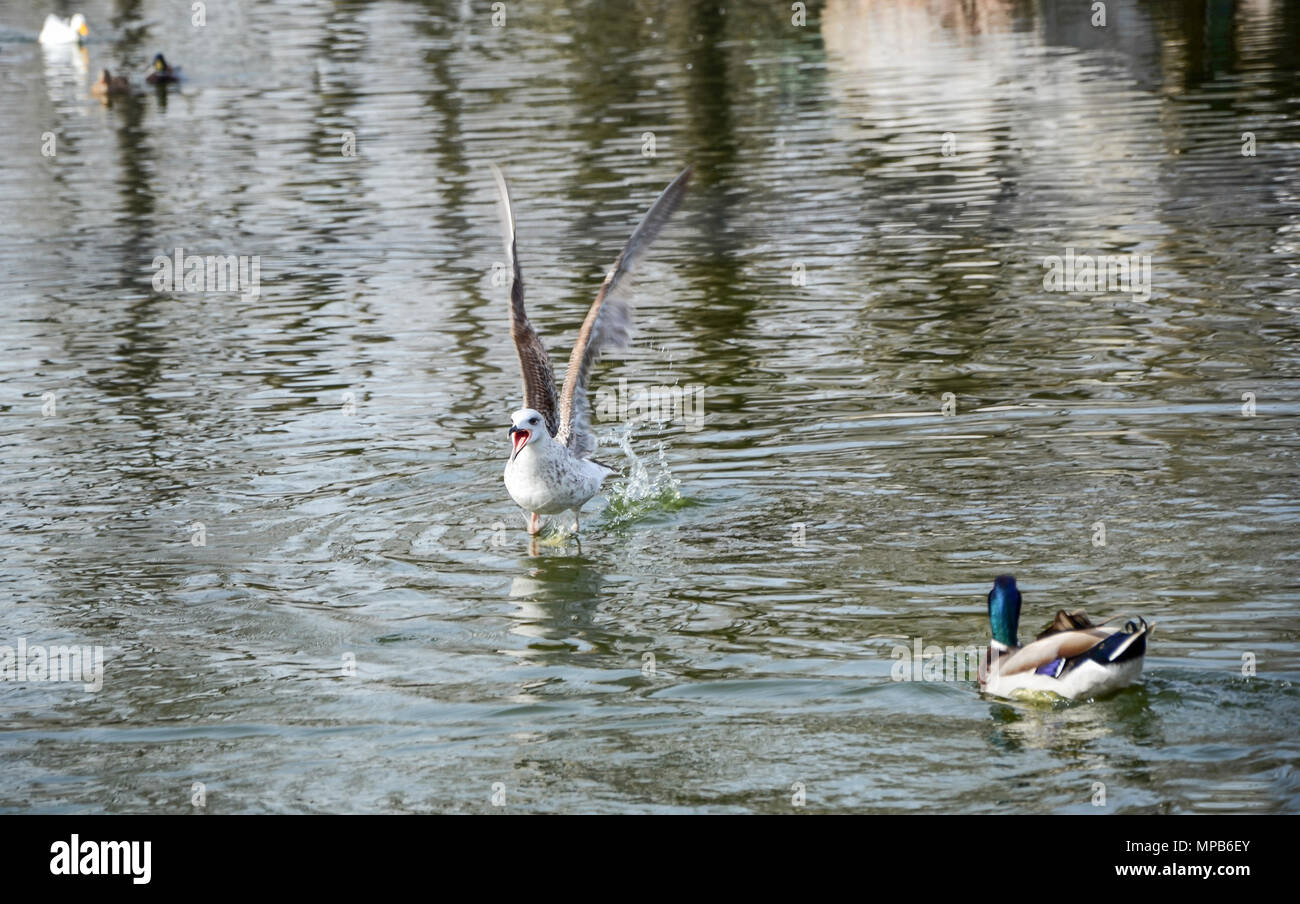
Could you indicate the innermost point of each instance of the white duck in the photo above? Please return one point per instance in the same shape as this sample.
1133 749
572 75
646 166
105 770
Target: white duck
550 468
64 31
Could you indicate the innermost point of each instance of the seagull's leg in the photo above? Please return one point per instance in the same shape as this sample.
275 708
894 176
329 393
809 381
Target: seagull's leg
534 523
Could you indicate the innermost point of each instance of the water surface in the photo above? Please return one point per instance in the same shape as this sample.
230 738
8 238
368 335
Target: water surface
875 195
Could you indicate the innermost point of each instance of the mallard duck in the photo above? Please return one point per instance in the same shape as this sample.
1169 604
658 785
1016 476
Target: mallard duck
1073 657
110 85
161 73
64 31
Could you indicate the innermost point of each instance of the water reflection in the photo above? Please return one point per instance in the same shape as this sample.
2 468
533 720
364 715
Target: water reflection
1071 730
558 601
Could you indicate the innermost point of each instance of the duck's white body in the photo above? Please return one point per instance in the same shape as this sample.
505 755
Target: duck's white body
63 31
1087 679
546 478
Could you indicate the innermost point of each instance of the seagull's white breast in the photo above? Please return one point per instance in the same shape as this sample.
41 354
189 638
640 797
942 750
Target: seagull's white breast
545 478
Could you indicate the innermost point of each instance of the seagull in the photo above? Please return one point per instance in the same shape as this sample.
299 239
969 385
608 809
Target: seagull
550 469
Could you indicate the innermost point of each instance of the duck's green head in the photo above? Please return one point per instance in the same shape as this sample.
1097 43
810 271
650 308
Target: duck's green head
159 64
1004 610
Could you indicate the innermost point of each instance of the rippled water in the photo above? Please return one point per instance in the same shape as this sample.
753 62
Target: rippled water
340 437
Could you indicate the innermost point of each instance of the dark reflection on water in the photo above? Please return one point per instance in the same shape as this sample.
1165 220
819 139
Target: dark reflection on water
725 630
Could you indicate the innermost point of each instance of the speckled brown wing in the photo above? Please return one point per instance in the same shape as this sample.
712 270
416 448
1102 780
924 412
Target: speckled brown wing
534 362
609 322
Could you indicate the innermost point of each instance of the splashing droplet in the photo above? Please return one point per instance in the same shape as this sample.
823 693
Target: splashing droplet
649 486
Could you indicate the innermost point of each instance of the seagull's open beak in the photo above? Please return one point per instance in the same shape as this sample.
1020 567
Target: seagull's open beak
520 437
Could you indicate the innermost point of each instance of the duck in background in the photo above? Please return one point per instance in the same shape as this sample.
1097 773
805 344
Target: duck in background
110 85
1073 658
64 31
162 73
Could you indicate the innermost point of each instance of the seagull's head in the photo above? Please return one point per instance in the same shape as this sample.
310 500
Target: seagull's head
78 24
527 427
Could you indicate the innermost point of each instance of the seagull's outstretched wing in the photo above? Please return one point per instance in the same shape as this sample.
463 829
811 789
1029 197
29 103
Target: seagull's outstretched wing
609 322
534 363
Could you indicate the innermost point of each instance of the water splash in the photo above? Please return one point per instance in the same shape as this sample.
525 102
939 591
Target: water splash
647 488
